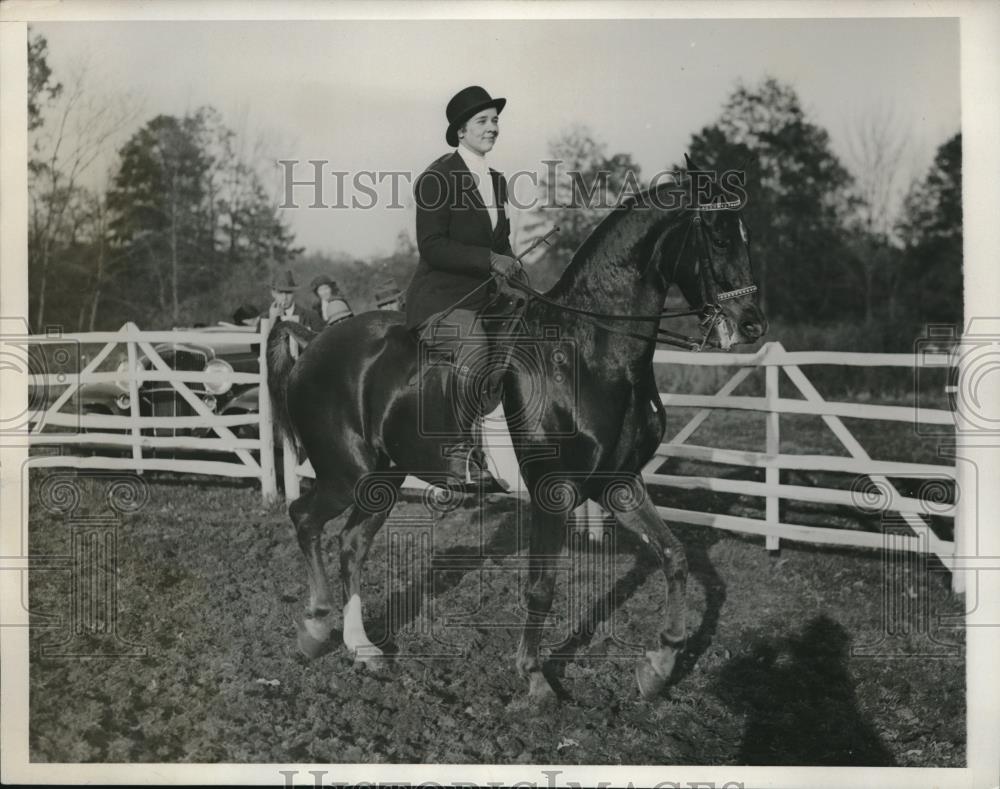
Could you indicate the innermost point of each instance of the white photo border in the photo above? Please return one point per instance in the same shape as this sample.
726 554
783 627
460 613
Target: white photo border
980 87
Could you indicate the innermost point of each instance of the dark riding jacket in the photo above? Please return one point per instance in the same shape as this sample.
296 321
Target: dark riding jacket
455 237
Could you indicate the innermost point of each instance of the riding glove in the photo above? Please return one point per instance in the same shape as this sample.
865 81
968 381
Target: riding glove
504 265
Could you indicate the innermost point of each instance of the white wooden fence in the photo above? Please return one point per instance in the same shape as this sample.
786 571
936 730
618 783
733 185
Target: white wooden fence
132 431
882 495
773 358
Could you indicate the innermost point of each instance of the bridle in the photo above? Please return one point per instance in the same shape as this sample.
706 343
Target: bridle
710 312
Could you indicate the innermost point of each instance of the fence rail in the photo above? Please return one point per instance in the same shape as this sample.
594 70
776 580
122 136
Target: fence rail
834 463
883 494
131 431
785 405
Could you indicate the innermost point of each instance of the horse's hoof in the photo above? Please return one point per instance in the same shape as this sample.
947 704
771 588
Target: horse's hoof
541 695
651 684
310 646
654 671
371 658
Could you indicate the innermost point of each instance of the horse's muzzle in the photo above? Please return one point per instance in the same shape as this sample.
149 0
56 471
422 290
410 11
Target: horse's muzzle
753 330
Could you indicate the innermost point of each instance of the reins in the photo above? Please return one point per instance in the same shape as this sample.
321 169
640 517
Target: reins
710 312
664 336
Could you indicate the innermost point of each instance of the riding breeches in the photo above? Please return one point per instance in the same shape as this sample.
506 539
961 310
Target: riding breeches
459 341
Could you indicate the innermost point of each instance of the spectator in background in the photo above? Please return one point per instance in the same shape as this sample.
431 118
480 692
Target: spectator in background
246 315
331 306
283 306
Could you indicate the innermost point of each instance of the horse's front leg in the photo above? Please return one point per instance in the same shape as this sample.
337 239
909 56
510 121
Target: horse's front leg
637 512
546 538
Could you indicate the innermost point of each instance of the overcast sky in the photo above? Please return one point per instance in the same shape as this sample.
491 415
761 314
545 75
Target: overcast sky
371 95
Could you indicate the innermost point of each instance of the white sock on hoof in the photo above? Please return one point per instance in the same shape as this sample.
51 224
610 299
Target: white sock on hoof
355 638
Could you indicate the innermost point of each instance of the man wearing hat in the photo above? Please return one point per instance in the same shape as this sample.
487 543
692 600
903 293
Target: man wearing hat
331 306
283 306
463 237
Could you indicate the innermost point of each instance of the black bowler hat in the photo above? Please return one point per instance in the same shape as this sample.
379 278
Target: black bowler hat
463 105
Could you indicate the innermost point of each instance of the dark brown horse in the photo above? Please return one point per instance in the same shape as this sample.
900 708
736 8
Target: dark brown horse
582 407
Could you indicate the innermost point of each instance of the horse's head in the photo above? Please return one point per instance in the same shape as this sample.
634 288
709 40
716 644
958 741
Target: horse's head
714 271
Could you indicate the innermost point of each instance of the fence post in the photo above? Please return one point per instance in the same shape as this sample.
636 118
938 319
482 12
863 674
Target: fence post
772 475
133 393
290 457
265 422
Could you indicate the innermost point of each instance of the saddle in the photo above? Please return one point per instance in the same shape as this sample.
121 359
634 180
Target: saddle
501 319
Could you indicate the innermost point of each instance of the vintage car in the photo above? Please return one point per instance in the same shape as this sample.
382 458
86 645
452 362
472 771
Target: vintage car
161 398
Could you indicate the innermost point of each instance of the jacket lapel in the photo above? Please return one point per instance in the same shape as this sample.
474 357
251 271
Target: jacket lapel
501 198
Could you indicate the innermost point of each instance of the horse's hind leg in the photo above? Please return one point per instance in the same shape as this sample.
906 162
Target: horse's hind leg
546 537
370 512
640 515
310 513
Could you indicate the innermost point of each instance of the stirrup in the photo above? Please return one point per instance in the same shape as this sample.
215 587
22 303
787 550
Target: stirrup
484 474
477 477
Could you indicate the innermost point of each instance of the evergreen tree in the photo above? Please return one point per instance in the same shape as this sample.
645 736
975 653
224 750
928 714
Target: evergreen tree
931 229
797 197
192 217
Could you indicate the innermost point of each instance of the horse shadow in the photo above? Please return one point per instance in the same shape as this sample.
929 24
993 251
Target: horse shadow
445 571
698 542
503 537
697 545
799 701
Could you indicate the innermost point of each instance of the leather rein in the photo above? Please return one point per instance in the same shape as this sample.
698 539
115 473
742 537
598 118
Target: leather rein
710 312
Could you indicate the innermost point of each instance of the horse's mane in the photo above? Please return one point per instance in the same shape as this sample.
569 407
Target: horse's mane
643 199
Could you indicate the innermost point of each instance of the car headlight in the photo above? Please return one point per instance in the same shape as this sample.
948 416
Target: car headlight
219 376
122 371
124 402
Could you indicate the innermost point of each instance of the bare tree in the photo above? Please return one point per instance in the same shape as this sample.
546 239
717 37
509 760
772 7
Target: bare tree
581 185
878 145
79 132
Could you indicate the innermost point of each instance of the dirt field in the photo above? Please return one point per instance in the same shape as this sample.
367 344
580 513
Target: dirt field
788 660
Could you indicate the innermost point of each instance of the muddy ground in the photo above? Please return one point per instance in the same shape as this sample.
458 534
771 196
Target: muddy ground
788 660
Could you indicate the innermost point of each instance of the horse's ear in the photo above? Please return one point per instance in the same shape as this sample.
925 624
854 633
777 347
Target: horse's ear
687 163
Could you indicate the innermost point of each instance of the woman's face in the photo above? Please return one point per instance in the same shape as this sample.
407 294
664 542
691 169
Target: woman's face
481 130
325 292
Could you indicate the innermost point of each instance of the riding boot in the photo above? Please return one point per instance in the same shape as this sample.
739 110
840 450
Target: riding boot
468 452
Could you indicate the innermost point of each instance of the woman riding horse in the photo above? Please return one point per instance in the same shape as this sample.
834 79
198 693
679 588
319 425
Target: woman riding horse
463 236
584 417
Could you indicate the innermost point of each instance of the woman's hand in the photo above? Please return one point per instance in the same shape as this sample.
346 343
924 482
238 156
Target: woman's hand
504 265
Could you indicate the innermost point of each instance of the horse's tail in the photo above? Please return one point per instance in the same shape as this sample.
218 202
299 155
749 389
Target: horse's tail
279 366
